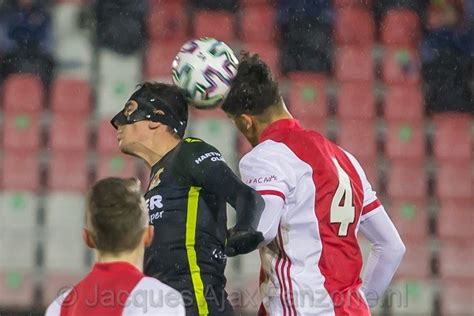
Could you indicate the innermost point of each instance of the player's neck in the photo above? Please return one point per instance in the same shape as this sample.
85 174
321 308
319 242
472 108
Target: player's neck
134 258
284 114
159 149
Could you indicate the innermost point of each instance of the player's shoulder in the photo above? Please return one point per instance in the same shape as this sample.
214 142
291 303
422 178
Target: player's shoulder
149 283
263 150
192 140
193 145
152 283
54 309
162 299
194 151
267 152
356 164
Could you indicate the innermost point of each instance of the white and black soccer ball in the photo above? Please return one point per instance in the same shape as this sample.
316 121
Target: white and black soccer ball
205 67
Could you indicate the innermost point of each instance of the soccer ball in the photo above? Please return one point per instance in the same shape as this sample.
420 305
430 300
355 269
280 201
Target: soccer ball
205 67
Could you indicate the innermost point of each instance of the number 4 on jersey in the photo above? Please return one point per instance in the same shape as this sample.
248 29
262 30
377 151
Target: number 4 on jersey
342 211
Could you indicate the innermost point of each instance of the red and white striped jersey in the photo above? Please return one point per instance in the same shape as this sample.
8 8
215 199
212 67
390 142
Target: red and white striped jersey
118 288
313 266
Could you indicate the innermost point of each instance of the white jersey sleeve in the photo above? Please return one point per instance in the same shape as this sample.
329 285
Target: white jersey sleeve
267 170
274 179
270 219
371 204
384 257
387 247
152 297
54 309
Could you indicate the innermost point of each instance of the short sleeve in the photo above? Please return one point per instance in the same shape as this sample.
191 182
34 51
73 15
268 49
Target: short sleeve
54 309
151 297
267 171
371 203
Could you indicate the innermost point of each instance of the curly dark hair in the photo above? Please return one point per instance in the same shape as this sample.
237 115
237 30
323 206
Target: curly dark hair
253 90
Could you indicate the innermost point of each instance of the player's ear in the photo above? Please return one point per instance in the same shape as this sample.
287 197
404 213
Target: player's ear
87 237
148 235
247 121
153 125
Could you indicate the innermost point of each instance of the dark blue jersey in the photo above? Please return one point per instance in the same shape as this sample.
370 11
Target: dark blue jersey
187 196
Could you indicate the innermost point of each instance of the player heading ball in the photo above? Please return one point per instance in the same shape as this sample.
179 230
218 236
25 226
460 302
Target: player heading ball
317 198
190 184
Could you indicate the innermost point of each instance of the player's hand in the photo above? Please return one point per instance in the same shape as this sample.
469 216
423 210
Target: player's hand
240 242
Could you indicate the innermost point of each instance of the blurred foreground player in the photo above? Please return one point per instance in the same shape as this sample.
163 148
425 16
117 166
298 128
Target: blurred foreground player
189 186
117 228
317 198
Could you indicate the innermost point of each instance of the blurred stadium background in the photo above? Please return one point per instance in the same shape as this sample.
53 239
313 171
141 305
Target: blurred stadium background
389 80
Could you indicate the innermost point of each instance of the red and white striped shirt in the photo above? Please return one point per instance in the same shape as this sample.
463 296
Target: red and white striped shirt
313 265
118 288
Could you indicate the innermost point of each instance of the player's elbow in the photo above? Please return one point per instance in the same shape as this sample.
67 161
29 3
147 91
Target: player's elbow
249 208
402 249
397 249
269 234
255 205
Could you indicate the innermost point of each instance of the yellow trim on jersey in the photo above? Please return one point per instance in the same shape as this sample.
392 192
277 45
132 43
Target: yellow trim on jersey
192 140
191 223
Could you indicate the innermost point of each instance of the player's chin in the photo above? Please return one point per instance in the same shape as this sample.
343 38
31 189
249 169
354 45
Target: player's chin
125 148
